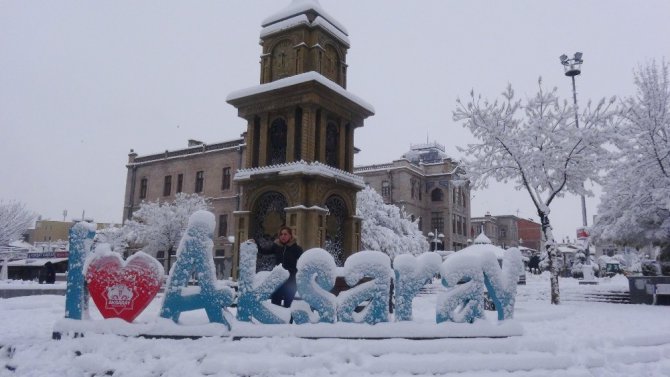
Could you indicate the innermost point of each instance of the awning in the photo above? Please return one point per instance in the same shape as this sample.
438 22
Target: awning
34 262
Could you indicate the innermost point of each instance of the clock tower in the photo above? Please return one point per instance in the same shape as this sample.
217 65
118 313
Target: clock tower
300 135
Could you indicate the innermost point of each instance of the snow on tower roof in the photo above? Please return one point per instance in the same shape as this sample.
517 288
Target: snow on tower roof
301 167
303 6
297 79
303 20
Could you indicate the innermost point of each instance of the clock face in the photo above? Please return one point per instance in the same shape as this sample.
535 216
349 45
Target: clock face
330 63
283 59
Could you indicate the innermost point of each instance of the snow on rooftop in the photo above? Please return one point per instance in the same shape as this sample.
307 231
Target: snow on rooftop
299 7
299 79
482 239
303 20
302 167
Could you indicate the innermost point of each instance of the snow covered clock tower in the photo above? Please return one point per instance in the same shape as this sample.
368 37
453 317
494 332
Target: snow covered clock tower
300 135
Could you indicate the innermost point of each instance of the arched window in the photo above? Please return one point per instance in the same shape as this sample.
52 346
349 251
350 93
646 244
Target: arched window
436 195
269 213
277 142
335 228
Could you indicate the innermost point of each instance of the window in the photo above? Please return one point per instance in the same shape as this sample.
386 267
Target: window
225 181
277 142
437 222
436 195
199 180
453 224
223 225
332 145
167 185
180 182
386 189
144 183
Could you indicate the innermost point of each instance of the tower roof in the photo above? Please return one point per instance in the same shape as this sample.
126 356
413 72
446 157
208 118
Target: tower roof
309 7
426 153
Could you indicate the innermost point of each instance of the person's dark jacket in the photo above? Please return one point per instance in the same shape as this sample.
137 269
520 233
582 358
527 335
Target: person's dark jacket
286 255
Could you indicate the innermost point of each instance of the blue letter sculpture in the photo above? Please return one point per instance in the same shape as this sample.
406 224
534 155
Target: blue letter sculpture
316 277
366 264
502 286
255 289
194 255
411 274
76 299
464 301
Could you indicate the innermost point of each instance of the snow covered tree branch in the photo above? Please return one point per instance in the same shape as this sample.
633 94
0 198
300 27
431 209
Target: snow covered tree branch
635 208
536 145
386 227
160 226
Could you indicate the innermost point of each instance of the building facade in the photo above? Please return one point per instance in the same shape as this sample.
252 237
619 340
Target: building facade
54 232
204 169
429 186
508 231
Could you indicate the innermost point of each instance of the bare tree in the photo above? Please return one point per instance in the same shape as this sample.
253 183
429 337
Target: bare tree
536 145
15 219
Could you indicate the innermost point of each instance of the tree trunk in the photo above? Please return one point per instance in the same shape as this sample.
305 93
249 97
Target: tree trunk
550 246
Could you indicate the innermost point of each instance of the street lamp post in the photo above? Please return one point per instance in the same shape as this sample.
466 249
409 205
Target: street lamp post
573 67
434 241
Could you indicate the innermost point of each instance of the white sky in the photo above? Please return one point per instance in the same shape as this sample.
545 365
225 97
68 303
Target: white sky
81 83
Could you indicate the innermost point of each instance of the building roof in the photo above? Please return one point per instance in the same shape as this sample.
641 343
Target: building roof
192 149
482 239
299 7
37 262
295 80
426 153
301 167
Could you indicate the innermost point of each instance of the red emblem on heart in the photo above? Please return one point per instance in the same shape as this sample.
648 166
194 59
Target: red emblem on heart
123 290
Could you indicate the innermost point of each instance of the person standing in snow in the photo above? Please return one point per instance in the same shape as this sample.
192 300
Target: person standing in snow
286 251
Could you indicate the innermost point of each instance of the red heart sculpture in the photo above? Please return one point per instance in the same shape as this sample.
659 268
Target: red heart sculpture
123 291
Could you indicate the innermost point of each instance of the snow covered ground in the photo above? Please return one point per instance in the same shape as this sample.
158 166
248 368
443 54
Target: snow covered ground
572 339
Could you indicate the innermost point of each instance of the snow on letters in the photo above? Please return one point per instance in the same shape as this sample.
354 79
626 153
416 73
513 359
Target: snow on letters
373 286
194 257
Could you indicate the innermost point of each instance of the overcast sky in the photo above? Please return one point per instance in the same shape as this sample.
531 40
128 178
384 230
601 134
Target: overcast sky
83 82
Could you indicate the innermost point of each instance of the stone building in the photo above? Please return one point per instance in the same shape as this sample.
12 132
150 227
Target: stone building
54 231
428 184
205 169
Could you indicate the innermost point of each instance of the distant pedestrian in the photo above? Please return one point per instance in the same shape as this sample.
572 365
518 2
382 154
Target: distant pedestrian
534 264
50 276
